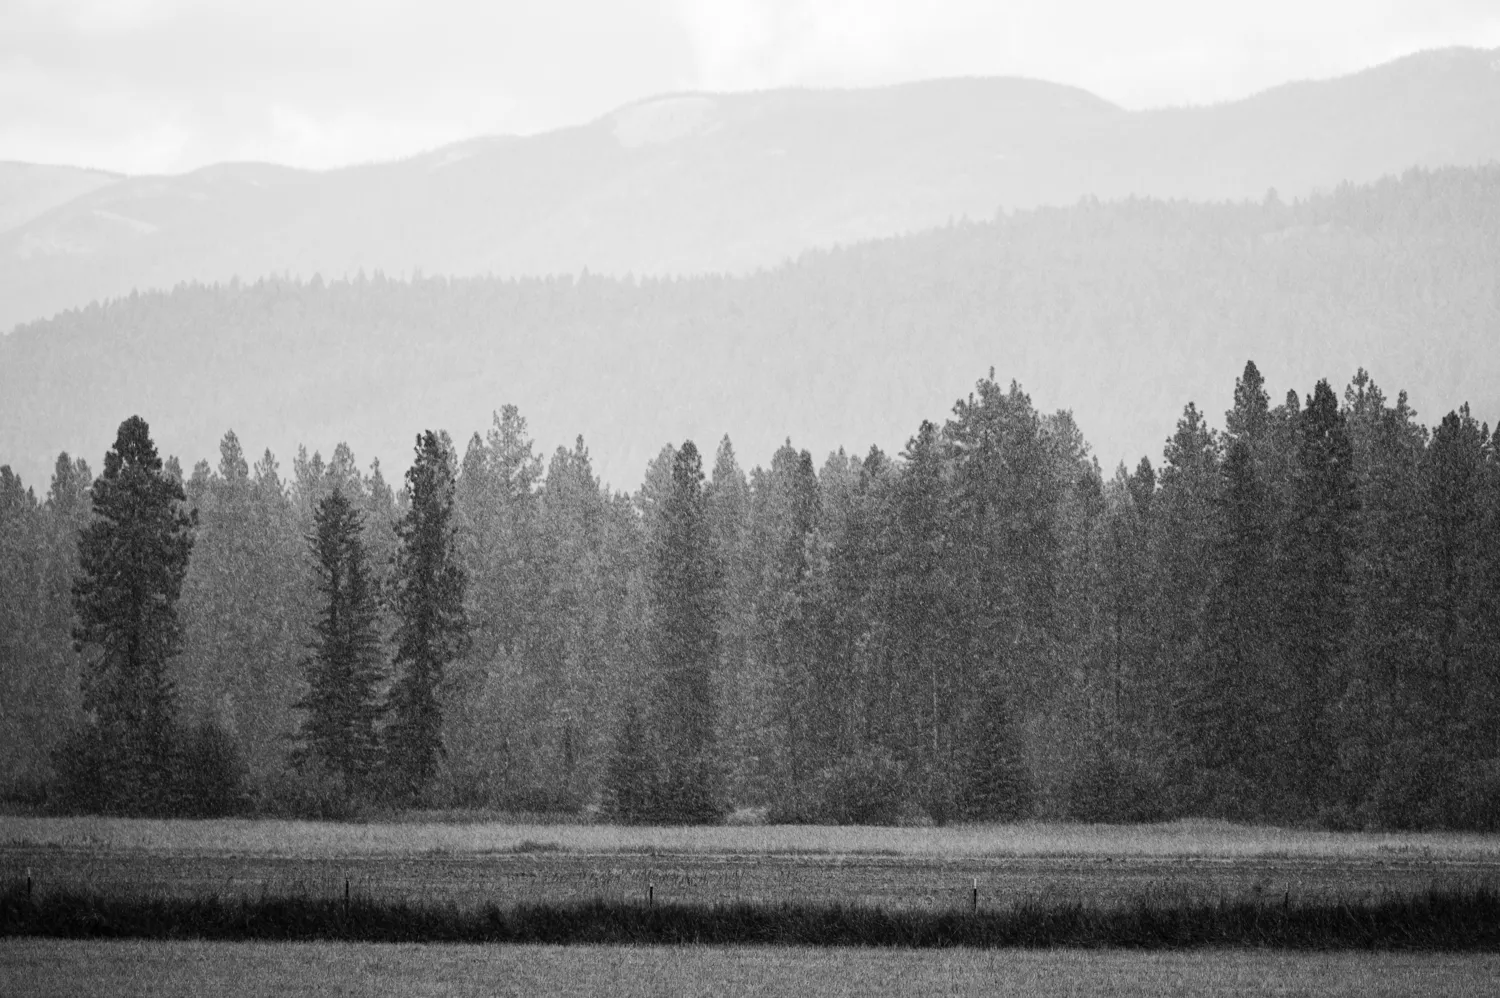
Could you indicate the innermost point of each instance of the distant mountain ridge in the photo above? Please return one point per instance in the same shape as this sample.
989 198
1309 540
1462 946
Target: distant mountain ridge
700 183
29 190
1121 311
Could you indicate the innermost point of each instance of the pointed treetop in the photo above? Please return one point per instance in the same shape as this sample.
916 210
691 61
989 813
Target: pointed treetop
687 467
267 471
71 481
1250 416
232 464
133 449
1143 485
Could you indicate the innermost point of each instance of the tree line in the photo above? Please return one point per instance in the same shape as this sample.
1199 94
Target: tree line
1295 618
378 735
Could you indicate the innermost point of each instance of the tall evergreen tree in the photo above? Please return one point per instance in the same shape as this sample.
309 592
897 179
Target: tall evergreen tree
1315 588
1454 472
132 560
685 595
743 690
1190 482
343 670
922 616
431 629
1239 687
22 570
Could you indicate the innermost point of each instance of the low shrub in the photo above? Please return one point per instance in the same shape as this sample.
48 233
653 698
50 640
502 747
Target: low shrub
200 773
210 775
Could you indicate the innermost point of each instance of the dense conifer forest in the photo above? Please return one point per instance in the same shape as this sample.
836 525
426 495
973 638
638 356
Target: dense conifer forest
1293 616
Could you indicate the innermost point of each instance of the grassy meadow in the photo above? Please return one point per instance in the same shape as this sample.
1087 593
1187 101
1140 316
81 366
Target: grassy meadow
419 836
47 967
1184 884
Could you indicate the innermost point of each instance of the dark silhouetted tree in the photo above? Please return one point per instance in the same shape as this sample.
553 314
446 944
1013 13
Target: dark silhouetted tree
132 559
344 669
432 631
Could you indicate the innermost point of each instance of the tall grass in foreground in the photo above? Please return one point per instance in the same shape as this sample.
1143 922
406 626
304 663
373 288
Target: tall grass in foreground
1437 919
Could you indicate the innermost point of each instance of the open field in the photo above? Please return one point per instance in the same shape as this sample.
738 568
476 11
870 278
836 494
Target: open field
919 882
895 868
55 967
1209 839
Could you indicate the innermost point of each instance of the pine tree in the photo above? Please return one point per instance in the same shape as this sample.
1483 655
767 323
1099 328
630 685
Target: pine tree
1238 690
685 593
22 627
1315 588
922 613
429 604
1250 419
132 560
742 688
1190 481
344 670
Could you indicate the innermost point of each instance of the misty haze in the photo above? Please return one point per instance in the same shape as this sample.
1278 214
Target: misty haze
852 488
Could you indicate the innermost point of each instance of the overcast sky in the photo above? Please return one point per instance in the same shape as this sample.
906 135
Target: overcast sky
168 85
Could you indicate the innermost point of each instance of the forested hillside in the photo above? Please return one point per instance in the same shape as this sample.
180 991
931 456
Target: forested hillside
1293 616
701 183
1121 311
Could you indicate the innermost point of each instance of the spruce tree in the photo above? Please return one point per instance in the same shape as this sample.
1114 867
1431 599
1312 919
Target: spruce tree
432 630
132 559
343 670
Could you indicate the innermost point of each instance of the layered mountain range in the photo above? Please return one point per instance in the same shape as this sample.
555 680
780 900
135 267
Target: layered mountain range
699 183
847 263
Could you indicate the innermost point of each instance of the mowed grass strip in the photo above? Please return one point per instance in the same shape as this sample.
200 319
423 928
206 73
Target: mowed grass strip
89 968
1437 919
492 834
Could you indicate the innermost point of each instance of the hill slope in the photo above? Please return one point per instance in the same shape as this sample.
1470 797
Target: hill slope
28 190
706 183
1123 312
